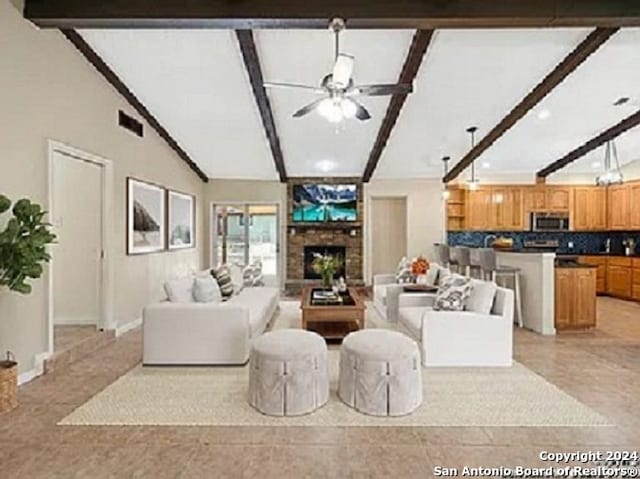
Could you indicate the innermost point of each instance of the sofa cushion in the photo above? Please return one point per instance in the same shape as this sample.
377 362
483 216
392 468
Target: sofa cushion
222 274
482 296
180 290
206 290
411 318
380 293
452 293
260 302
252 275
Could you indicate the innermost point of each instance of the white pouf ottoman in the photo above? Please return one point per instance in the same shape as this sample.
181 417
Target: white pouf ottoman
380 373
288 372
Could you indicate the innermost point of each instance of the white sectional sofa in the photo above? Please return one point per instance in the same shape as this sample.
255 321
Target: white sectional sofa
460 338
207 333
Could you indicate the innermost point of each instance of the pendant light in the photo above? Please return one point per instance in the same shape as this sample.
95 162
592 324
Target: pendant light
612 173
473 183
446 194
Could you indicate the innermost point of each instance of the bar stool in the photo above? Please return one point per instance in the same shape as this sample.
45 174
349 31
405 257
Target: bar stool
491 268
475 263
460 256
442 254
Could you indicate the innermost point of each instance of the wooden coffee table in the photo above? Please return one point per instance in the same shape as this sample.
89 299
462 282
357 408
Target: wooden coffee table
333 321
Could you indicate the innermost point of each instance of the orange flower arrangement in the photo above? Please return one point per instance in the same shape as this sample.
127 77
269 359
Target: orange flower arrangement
420 265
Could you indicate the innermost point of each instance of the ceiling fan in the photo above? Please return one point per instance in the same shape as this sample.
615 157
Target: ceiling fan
338 88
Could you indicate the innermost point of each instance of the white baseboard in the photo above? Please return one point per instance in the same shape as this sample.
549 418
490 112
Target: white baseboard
125 328
38 369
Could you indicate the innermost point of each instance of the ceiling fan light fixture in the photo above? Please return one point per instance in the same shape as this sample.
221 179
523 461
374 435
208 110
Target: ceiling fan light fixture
331 110
349 108
342 70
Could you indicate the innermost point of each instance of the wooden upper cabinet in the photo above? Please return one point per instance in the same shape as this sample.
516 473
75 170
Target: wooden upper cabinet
590 208
479 210
618 199
634 205
508 208
535 198
559 198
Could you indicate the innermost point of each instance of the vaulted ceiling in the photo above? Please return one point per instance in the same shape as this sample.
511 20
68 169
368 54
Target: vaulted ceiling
196 84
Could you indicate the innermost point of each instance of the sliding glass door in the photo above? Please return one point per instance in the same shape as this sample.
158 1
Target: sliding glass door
246 233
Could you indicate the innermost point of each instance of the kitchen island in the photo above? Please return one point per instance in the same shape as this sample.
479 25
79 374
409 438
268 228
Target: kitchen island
537 287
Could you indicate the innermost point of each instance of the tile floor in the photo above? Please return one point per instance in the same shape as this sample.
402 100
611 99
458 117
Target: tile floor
64 337
600 368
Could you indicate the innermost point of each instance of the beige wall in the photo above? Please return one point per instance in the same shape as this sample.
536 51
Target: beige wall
425 214
49 91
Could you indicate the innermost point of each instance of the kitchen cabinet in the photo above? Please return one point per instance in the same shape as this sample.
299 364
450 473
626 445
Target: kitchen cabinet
635 275
559 198
575 298
479 209
508 210
634 205
600 262
535 199
590 209
618 201
619 277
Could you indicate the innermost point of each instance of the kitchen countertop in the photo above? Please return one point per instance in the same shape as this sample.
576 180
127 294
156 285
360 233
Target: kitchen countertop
618 255
562 265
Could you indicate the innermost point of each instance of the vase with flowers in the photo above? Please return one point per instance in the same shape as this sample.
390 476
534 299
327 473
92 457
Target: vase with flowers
326 266
419 268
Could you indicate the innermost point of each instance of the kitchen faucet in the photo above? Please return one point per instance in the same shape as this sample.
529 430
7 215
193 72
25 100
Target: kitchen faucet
487 238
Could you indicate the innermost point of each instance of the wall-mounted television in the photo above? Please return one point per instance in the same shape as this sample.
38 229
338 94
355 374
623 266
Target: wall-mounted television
323 203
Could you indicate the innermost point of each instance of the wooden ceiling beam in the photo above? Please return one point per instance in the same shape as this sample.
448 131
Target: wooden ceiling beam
408 14
599 140
419 45
572 61
252 64
98 63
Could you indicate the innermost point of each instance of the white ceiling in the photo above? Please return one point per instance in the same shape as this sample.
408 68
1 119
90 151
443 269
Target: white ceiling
579 108
311 145
195 83
469 77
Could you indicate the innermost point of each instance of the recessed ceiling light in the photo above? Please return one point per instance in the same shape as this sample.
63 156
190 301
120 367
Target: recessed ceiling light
621 101
544 114
486 164
595 165
325 165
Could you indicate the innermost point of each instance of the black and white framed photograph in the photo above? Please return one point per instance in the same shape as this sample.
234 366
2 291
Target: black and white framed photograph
146 217
181 220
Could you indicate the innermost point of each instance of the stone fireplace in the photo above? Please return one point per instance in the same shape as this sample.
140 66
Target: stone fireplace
338 237
311 251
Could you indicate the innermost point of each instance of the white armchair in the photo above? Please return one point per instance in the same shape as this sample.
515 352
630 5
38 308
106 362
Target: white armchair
461 338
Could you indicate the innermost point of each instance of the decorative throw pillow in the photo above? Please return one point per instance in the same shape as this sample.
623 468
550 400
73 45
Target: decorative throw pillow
482 296
206 290
403 272
452 293
252 275
432 274
235 271
180 290
223 277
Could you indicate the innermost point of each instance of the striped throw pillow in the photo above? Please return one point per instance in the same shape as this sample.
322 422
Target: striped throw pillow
223 277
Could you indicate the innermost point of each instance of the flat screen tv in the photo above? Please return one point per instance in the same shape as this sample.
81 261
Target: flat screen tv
319 203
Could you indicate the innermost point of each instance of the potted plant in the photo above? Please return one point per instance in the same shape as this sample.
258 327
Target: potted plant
326 266
23 251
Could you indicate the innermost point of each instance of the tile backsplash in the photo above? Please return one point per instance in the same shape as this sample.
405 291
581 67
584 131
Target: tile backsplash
583 242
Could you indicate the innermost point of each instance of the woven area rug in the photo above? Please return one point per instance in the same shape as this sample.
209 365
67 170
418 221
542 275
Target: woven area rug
216 396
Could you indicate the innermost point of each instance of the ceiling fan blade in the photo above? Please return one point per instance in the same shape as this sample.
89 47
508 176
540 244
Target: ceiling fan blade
305 110
382 90
361 113
297 86
342 70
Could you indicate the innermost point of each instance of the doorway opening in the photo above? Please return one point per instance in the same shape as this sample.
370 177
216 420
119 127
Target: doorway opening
245 233
79 284
388 233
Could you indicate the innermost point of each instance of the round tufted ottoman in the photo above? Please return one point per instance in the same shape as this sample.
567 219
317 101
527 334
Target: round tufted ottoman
288 373
380 373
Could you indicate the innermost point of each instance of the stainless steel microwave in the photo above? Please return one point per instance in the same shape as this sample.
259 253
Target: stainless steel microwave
550 222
